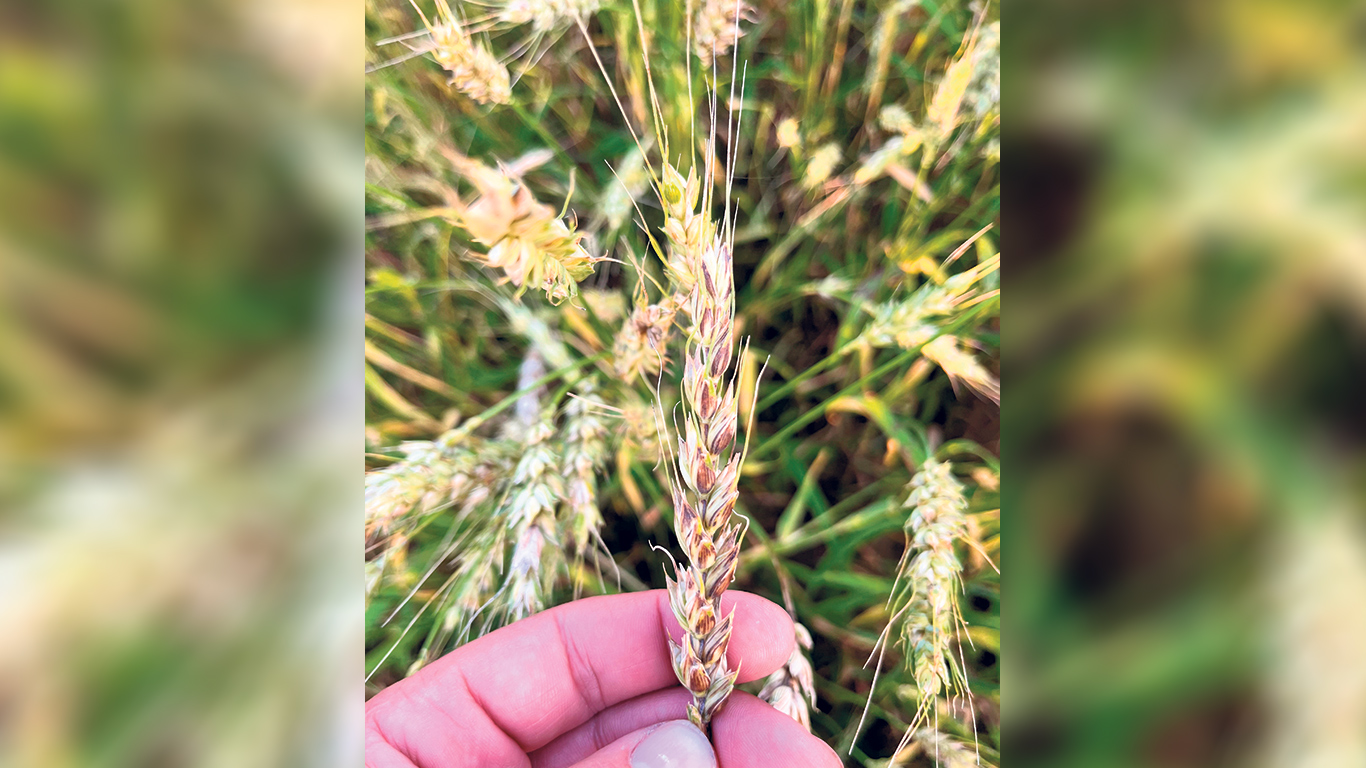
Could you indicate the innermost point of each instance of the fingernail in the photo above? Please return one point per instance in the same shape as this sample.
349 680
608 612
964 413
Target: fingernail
676 744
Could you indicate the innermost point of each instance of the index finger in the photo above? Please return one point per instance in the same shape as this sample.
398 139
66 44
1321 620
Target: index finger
516 689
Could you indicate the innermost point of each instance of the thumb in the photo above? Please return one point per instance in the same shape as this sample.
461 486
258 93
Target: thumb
674 744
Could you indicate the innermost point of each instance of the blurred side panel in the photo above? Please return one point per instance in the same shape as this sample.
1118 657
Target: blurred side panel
180 391
1184 361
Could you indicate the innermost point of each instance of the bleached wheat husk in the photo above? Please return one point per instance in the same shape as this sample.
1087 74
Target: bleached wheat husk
792 688
940 750
524 237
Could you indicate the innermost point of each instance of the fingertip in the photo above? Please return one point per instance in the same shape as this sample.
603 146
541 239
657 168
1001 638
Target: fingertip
747 731
762 638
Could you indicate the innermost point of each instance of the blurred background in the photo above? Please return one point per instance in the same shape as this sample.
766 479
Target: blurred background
180 397
1184 353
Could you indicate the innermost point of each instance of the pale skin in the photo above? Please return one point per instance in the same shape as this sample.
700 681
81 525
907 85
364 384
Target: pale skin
579 686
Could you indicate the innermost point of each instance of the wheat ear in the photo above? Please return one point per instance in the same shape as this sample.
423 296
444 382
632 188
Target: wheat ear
704 498
475 71
937 521
792 689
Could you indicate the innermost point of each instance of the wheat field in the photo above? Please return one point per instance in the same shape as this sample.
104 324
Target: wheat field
715 283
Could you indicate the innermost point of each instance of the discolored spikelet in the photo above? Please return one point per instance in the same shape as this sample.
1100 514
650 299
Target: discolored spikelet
640 345
525 238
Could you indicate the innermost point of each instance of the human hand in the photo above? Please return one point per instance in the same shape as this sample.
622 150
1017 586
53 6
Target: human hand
589 685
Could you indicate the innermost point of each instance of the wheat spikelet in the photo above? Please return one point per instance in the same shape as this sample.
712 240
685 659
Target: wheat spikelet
708 467
716 27
949 353
524 237
821 165
916 320
474 71
639 347
792 689
688 229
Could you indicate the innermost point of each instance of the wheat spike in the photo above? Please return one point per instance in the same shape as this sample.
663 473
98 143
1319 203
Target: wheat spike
709 468
936 522
474 70
792 689
916 320
585 451
547 15
716 28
